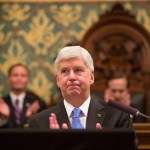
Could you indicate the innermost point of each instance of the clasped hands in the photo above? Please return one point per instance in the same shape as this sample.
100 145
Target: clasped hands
5 110
34 107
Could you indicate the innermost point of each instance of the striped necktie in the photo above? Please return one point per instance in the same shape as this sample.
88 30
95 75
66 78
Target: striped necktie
17 112
76 124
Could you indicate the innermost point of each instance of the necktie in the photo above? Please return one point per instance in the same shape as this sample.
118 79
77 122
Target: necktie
76 124
17 112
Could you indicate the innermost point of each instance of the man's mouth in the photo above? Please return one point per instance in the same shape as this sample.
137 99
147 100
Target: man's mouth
73 85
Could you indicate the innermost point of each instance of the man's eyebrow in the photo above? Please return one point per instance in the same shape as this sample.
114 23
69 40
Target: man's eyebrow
78 67
62 68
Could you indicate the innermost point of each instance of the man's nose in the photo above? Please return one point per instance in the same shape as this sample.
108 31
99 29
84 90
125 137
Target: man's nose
117 95
72 76
19 77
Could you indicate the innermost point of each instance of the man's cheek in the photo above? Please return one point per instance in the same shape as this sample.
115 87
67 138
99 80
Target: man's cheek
111 94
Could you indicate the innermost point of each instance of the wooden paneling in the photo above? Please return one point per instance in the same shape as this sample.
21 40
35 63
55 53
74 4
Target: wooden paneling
143 135
117 42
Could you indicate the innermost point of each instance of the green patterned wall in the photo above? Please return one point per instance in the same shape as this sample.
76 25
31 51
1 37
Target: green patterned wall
33 32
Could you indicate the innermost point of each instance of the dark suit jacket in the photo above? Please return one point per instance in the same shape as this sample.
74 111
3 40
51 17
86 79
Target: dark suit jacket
138 101
27 102
99 112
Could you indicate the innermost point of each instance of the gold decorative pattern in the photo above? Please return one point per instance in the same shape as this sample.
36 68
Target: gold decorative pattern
40 36
128 6
85 25
66 14
1 88
4 37
15 13
14 55
41 84
143 15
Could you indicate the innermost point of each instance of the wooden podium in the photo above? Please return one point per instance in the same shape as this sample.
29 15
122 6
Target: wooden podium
45 139
143 134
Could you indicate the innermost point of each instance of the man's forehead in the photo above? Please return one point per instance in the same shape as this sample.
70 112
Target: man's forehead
118 87
118 81
19 70
72 62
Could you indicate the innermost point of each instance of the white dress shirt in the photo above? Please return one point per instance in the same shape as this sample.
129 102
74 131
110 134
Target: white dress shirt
20 99
84 108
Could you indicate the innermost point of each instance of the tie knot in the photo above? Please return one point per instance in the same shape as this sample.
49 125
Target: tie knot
76 113
17 102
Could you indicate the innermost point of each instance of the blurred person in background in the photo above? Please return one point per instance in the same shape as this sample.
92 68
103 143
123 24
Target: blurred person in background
18 106
118 89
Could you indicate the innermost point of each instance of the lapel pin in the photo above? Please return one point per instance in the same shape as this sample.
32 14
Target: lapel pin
99 115
27 105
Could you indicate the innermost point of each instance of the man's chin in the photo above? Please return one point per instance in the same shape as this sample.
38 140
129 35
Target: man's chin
18 89
74 93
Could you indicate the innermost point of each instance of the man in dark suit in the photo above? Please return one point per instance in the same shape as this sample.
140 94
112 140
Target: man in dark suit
74 75
118 89
18 106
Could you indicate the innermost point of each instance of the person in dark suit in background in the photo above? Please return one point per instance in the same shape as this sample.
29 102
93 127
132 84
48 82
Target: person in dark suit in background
118 89
18 106
74 75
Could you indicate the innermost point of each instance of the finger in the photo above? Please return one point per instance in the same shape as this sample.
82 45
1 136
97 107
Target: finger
1 101
35 106
98 126
64 126
53 122
108 91
108 95
50 123
54 118
28 113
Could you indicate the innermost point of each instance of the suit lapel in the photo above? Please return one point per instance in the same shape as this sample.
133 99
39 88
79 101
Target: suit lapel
62 115
96 114
26 104
24 109
12 115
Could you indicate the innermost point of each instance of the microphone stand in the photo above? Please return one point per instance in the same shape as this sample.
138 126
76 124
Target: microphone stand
142 115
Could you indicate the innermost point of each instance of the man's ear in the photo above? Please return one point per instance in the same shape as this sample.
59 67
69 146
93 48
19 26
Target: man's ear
92 77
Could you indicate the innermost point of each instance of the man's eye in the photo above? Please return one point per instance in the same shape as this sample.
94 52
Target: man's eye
114 91
15 75
121 91
78 70
64 71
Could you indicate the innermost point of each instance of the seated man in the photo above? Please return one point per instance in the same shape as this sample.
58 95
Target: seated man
78 110
117 89
17 107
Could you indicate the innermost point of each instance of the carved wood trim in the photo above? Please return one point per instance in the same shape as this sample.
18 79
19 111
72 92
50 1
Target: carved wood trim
117 42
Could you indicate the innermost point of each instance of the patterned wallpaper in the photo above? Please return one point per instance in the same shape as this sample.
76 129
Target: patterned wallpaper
33 32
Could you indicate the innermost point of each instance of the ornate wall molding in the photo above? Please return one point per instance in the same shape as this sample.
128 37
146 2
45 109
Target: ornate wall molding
72 1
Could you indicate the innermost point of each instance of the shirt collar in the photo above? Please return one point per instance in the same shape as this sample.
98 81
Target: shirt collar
20 97
84 107
14 96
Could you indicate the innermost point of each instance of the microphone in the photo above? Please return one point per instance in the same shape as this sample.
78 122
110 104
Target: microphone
127 109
